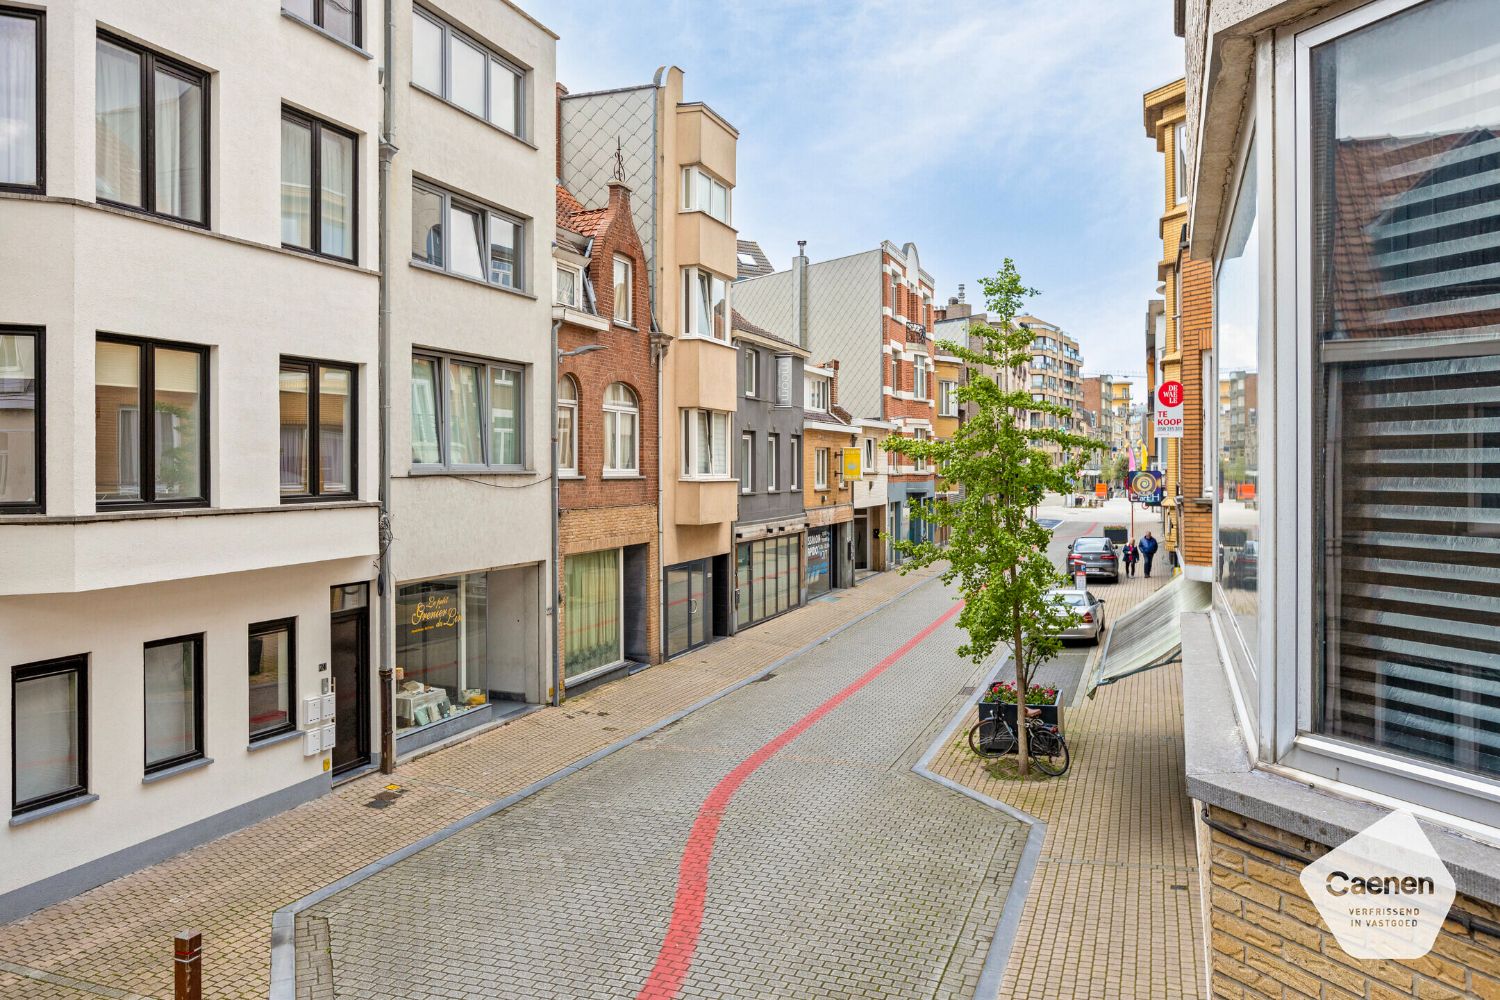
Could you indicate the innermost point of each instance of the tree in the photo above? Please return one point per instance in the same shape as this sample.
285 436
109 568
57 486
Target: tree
997 553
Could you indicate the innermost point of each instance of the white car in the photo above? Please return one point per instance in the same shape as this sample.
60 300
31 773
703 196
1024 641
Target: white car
1089 608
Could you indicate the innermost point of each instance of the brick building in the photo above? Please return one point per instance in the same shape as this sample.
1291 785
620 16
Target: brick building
828 492
608 608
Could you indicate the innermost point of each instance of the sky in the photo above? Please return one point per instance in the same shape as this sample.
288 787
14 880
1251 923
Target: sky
976 129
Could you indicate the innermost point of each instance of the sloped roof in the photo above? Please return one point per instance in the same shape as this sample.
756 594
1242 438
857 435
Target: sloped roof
742 325
572 216
760 263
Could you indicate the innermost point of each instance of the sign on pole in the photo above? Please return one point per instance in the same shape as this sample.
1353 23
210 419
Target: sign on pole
852 462
1169 398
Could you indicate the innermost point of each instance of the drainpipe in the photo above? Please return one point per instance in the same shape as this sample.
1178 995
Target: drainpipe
556 516
383 579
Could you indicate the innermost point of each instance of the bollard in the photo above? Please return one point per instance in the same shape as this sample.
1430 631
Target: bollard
188 966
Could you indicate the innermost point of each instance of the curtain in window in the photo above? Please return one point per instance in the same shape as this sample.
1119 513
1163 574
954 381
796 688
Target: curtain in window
296 184
294 431
424 418
465 421
18 76
117 401
591 612
336 165
335 431
46 735
171 718
117 123
178 124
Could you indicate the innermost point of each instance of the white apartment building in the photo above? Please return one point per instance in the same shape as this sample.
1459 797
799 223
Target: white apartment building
190 226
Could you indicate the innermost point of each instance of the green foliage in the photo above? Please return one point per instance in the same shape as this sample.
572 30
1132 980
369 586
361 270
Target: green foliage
997 555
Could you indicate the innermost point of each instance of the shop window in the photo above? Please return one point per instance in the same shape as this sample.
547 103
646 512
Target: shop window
49 730
622 431
21 106
162 461
593 611
174 701
21 467
273 678
442 649
466 414
318 447
768 578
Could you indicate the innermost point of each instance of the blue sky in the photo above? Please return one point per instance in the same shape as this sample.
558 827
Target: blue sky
977 129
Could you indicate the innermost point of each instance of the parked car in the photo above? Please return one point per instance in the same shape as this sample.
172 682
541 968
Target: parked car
1090 610
1244 566
1094 555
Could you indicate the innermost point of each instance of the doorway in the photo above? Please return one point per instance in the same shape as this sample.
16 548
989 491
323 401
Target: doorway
689 611
349 644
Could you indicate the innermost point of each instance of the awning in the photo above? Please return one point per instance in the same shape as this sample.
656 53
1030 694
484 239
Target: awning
1150 634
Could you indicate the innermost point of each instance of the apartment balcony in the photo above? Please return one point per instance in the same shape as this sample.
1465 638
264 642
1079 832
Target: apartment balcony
707 501
63 555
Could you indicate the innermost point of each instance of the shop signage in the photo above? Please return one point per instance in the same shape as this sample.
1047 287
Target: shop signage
1145 486
783 380
1169 399
852 463
438 611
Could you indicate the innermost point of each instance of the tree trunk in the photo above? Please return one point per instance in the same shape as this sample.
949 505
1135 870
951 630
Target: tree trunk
1023 759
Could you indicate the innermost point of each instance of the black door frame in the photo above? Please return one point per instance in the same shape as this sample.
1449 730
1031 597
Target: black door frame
360 615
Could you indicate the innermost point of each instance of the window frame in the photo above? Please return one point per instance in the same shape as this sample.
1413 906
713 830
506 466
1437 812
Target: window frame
747 462
38 335
751 368
919 462
570 468
559 266
870 451
314 369
447 199
816 393
690 290
40 17
821 464
619 410
151 60
692 445
448 33
773 461
79 664
921 371
794 467
357 14
628 319
689 202
1180 172
443 359
197 753
947 398
315 224
292 699
147 429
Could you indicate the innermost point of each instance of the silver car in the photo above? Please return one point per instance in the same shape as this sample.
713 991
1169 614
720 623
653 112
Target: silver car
1090 610
1094 555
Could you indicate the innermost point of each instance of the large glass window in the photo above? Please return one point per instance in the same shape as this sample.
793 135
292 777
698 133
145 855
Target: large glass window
703 192
1405 122
705 444
442 649
150 132
318 196
20 419
592 612
340 18
768 578
465 73
567 425
624 291
465 238
174 701
49 726
273 678
163 460
21 114
330 409
466 413
705 304
622 426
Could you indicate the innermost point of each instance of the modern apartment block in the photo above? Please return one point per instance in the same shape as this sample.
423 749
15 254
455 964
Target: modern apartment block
1056 373
873 311
606 442
678 157
188 465
1340 162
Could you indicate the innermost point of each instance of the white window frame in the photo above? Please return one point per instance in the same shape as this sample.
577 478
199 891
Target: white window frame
870 453
820 469
751 365
692 446
690 175
947 398
816 395
747 461
921 372
1180 174
449 35
577 272
692 299
619 411
794 467
624 315
773 463
567 465
919 462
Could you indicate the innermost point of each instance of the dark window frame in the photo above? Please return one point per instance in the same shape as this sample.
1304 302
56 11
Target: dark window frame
292 699
152 60
316 126
40 17
444 414
39 338
356 10
79 664
196 753
448 199
314 369
147 430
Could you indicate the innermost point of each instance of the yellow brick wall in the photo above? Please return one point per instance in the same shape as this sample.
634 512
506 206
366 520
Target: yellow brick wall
594 528
1267 941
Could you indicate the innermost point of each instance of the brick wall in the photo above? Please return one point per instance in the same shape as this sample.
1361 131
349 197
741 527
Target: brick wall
581 531
1197 336
838 491
1268 941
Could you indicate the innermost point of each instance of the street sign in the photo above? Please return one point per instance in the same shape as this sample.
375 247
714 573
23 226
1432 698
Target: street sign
1169 399
852 463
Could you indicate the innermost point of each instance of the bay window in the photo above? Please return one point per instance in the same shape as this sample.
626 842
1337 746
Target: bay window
622 427
49 732
567 426
457 69
21 466
705 444
466 414
340 18
150 132
173 670
319 196
162 460
22 116
318 448
705 304
466 238
702 192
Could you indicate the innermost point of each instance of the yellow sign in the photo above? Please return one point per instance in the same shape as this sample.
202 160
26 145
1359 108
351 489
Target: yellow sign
438 611
853 468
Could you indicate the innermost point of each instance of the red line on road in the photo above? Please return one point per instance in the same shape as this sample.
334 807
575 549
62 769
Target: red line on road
676 955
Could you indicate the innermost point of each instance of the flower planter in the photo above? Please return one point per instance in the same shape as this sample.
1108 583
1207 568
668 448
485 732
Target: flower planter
1051 714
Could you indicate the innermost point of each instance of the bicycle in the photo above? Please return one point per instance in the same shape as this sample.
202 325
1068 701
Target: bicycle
1045 744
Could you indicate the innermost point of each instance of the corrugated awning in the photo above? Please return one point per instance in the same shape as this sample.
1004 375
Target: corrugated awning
1150 634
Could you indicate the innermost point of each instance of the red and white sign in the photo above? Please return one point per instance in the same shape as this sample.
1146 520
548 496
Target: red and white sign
1169 399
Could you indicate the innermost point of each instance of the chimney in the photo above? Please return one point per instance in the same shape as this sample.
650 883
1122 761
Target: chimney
799 293
561 93
619 197
833 383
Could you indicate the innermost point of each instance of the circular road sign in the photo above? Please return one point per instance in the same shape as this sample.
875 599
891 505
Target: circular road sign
1170 394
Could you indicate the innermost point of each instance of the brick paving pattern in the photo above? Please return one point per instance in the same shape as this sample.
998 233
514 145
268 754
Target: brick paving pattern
837 872
117 939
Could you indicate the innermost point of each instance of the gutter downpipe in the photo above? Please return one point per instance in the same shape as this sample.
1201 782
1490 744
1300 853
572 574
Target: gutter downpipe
556 516
383 578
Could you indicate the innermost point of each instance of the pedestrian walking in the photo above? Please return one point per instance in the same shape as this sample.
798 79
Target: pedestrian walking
1148 551
1131 555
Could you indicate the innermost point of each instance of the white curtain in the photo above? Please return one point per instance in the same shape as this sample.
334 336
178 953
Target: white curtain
179 147
46 711
171 719
117 123
17 100
296 184
337 153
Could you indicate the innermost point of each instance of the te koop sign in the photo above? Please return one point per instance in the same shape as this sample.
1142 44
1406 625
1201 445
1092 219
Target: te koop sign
1169 397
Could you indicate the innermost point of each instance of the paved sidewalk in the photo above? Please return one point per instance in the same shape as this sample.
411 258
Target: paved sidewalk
1113 906
115 941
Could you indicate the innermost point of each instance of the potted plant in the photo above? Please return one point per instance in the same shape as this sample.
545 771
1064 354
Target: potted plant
1000 700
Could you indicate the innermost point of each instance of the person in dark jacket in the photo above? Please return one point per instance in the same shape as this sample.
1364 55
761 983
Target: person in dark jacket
1148 551
1131 555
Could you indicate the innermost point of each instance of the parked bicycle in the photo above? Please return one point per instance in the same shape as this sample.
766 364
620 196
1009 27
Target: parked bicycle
1045 744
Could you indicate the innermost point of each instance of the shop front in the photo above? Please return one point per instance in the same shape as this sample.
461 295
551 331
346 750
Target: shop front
821 561
593 615
768 578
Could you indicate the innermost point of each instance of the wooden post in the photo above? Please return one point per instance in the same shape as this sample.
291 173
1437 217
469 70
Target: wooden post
188 966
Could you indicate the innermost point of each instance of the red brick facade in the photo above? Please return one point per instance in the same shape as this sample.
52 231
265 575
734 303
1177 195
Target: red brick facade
909 299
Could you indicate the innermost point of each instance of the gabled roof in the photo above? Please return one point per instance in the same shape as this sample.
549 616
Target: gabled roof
752 260
742 325
572 216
